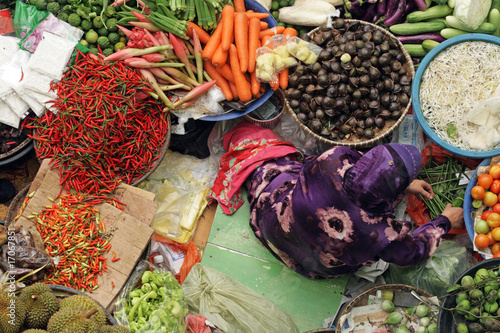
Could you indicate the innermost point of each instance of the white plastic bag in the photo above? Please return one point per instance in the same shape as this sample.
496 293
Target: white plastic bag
265 3
309 13
231 305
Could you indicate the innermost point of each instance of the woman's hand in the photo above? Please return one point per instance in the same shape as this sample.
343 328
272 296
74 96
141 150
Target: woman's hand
421 187
455 215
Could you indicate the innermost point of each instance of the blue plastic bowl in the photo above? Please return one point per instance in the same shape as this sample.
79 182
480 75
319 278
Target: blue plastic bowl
415 95
468 209
271 22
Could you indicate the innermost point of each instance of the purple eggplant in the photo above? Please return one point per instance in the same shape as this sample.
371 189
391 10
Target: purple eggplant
381 7
417 39
421 4
355 9
410 7
390 7
415 60
369 12
397 15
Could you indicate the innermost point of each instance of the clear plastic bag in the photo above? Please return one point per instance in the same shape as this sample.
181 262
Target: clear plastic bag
154 299
181 184
265 66
231 305
282 58
437 273
303 51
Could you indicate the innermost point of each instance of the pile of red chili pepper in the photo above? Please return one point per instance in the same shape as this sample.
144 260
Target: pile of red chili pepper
107 129
77 239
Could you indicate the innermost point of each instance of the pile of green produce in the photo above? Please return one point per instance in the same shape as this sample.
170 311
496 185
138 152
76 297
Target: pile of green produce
94 17
421 318
477 302
156 304
445 181
37 309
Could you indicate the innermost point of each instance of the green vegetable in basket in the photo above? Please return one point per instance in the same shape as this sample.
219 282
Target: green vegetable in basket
388 306
53 7
432 328
462 328
393 319
91 36
422 310
103 42
402 329
86 25
158 305
425 321
74 19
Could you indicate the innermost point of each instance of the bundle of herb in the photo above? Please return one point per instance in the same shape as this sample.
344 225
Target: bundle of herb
445 181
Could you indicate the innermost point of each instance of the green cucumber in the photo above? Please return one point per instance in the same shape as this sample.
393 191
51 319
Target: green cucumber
429 44
484 28
440 2
415 50
430 13
440 19
408 29
452 32
494 18
452 3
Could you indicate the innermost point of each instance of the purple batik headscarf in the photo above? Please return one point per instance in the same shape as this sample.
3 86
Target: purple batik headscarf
381 175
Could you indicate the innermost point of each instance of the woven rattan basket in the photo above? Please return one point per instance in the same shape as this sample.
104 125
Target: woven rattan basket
362 299
354 141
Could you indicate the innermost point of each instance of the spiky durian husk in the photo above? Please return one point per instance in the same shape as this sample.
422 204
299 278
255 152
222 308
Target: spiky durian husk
85 304
41 304
114 329
9 324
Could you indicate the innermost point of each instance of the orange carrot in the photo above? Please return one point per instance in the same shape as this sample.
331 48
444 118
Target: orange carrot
241 39
221 81
227 26
283 78
213 43
202 34
226 72
263 25
239 6
220 57
264 40
274 84
242 85
289 32
255 84
271 31
253 42
233 88
257 15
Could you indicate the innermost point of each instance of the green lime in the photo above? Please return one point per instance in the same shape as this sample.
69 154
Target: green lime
275 14
291 2
283 3
303 31
477 203
275 5
283 24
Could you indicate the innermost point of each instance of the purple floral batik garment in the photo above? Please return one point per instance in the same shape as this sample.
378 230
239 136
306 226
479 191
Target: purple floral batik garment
328 215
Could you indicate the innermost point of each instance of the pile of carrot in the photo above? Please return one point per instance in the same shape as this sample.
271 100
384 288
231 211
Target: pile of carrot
229 53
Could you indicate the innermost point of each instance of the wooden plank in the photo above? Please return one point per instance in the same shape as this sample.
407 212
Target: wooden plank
130 235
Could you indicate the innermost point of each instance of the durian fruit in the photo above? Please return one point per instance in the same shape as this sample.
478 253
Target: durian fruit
85 304
35 330
41 303
114 329
12 313
73 320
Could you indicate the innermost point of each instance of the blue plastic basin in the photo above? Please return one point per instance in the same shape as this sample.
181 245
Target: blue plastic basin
415 95
468 209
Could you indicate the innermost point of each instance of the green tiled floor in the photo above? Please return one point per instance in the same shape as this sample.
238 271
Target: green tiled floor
234 250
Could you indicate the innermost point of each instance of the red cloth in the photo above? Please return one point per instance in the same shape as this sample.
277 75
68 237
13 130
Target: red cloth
248 146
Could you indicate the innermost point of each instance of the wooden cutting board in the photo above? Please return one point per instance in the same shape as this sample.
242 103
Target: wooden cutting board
130 228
